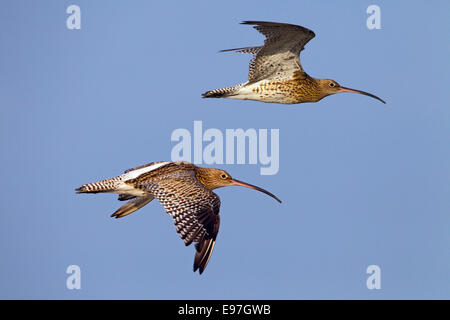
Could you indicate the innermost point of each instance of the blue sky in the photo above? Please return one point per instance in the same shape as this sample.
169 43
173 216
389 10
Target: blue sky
362 183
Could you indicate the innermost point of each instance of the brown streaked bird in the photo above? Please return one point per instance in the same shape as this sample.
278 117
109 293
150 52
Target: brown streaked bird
276 74
184 190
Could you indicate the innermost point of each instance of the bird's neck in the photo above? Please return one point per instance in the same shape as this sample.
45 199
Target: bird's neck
205 176
308 89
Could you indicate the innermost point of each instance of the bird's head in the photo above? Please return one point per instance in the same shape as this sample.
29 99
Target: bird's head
328 87
217 178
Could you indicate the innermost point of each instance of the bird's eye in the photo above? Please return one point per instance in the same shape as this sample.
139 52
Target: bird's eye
332 84
223 176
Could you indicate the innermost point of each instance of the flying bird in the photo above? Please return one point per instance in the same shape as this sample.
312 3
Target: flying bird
276 74
184 190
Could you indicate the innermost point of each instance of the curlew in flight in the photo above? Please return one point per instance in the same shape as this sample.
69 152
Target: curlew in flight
184 190
275 73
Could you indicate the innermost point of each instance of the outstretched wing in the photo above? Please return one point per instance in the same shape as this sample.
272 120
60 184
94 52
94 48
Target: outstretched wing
279 58
194 209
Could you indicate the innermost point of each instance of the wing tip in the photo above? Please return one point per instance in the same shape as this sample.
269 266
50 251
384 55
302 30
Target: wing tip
253 22
226 50
203 253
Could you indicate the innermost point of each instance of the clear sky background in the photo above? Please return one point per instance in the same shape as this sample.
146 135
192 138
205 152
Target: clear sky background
362 183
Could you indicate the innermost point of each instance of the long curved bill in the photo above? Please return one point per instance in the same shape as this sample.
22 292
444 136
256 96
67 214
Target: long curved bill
243 184
344 89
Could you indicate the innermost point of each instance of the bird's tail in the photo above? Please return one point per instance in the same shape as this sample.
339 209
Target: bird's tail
223 92
108 185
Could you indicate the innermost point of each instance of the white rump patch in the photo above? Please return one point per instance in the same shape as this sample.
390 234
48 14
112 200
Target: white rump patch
136 173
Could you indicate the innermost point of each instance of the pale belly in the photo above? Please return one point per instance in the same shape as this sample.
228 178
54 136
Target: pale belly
265 91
